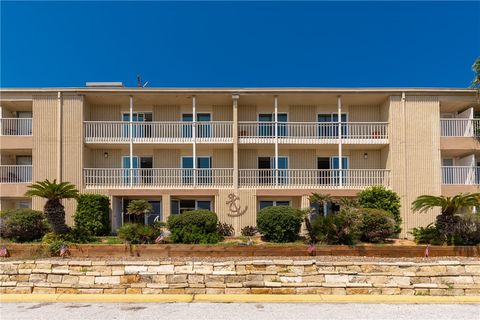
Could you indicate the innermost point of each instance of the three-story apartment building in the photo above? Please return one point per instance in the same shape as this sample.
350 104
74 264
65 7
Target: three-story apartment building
234 151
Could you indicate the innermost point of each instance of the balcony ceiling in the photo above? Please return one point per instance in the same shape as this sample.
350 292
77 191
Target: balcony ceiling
226 99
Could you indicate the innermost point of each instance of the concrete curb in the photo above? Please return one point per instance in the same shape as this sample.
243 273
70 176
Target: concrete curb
231 298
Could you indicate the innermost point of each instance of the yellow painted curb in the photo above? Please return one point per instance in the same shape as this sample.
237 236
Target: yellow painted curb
234 298
282 298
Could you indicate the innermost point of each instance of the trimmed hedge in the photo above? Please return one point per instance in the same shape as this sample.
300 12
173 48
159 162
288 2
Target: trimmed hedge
93 214
379 197
197 226
22 225
377 225
279 224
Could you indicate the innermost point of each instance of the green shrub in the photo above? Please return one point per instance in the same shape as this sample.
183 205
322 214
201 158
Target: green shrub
377 225
249 231
467 230
22 225
198 226
427 235
93 214
379 197
54 247
135 233
72 236
341 228
279 224
225 229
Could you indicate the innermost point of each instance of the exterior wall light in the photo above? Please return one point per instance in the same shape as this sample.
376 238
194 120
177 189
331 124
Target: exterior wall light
105 155
365 156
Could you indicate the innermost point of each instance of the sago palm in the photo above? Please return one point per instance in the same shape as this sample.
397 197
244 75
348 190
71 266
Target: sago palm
450 207
138 207
54 192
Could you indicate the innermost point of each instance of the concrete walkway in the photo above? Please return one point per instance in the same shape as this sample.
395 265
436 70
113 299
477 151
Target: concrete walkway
237 311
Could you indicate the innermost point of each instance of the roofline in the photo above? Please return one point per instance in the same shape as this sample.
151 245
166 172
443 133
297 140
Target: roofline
243 90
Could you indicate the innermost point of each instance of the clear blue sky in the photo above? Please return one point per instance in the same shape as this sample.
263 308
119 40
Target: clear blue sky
241 44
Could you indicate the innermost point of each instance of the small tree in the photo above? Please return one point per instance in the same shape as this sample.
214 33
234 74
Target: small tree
54 192
320 200
450 208
93 214
138 207
379 197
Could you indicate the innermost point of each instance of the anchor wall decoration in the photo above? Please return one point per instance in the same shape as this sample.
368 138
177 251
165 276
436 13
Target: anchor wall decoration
235 209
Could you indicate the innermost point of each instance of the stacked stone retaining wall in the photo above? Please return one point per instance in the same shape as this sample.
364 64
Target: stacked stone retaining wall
240 277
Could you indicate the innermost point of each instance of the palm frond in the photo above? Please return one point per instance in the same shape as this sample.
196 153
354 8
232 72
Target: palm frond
52 190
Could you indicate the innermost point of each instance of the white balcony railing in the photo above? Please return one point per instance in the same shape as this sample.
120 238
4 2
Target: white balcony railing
460 127
313 132
158 132
15 174
157 178
300 178
16 126
461 175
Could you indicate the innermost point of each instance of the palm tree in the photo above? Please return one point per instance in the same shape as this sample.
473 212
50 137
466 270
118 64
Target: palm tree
450 207
476 69
138 207
320 199
54 192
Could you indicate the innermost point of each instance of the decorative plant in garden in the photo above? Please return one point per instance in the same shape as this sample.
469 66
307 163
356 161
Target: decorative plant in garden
450 209
139 207
93 214
379 197
54 192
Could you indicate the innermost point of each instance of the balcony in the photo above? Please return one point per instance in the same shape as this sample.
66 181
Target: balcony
313 178
460 127
461 176
314 132
158 178
15 174
16 126
158 132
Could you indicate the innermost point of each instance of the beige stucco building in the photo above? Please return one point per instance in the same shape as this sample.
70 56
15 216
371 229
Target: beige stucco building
235 150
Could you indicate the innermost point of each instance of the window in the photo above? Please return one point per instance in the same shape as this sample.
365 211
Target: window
142 174
204 172
22 204
273 203
182 205
139 130
328 124
204 130
266 127
267 175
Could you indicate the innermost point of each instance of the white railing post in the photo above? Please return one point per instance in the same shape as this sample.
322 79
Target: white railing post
194 136
276 140
131 140
340 159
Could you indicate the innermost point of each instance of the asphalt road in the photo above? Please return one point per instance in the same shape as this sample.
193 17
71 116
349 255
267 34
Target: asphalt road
233 311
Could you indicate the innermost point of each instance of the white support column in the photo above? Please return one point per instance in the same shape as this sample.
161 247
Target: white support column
340 151
276 140
59 136
235 142
130 125
194 137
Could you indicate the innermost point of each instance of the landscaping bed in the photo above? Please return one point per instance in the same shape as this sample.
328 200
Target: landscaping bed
219 250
